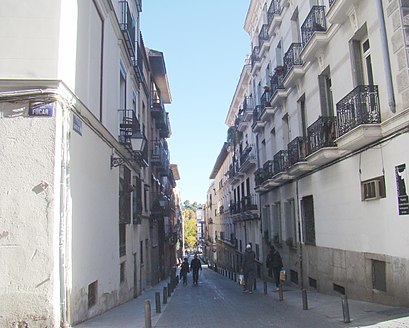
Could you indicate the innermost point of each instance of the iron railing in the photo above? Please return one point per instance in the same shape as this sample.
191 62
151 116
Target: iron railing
160 155
280 161
331 2
247 107
128 125
259 176
360 106
263 35
276 81
245 154
296 151
248 203
255 55
273 10
256 114
315 22
322 133
128 27
292 57
268 169
265 98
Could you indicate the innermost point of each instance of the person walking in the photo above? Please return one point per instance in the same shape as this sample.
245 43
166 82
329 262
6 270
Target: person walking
274 263
195 265
184 269
249 269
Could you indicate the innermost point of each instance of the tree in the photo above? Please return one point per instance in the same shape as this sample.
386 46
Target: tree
190 223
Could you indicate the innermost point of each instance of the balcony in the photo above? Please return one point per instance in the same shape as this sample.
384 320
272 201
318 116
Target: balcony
159 204
359 118
293 65
163 124
280 167
264 39
297 150
255 59
245 114
267 112
274 16
269 173
277 90
339 9
160 156
314 33
321 141
127 25
258 125
128 126
247 159
245 209
157 106
233 176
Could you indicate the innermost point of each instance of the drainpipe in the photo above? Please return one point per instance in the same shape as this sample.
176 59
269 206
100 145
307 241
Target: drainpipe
63 219
386 58
299 235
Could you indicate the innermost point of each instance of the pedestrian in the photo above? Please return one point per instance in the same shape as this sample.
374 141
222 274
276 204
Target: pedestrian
195 266
274 263
249 269
184 269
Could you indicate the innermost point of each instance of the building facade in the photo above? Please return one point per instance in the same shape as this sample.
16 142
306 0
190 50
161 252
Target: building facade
84 157
329 79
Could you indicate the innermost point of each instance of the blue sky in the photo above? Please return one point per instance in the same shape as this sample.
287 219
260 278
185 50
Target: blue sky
204 46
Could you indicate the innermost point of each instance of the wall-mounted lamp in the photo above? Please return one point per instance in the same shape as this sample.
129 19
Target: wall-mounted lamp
138 142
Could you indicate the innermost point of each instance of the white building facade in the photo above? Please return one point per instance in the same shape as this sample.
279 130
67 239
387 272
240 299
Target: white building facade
76 96
330 83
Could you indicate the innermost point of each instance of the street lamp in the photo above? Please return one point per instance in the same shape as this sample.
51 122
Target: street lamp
138 142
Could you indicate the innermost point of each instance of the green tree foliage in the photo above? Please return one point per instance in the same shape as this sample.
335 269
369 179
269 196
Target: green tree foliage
190 223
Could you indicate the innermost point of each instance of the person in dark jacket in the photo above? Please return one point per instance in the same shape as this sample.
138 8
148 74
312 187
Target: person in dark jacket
195 265
184 269
274 264
249 269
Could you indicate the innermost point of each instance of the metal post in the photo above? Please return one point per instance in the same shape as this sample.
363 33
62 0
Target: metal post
345 309
265 287
169 290
157 302
304 299
148 319
280 292
165 295
255 283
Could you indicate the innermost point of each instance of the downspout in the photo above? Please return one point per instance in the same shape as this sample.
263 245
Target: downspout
63 219
386 58
299 235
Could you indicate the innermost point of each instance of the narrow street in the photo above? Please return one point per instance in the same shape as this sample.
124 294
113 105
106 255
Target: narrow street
218 302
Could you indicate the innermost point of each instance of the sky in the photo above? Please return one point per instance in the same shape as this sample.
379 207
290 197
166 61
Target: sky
204 46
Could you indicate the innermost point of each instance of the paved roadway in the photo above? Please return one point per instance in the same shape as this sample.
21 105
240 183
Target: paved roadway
219 302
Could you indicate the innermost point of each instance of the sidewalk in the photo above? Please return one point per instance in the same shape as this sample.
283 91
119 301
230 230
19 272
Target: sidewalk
132 313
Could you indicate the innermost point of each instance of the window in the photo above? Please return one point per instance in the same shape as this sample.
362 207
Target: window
325 88
122 239
290 225
373 188
125 189
379 275
92 293
122 273
307 212
276 223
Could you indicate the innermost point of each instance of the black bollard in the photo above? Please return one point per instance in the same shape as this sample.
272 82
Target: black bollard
255 283
165 295
304 299
157 302
148 319
169 290
345 309
280 293
265 287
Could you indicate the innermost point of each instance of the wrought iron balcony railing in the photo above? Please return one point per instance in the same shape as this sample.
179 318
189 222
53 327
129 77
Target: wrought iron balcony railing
128 25
263 35
292 57
255 55
280 161
128 125
160 155
322 133
245 154
249 203
246 110
265 98
259 176
331 2
276 81
315 22
268 169
296 151
273 10
256 114
360 106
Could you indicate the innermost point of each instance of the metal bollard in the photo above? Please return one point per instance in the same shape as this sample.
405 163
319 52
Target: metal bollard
255 284
148 319
304 299
345 309
169 290
265 287
157 302
280 293
235 277
165 295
